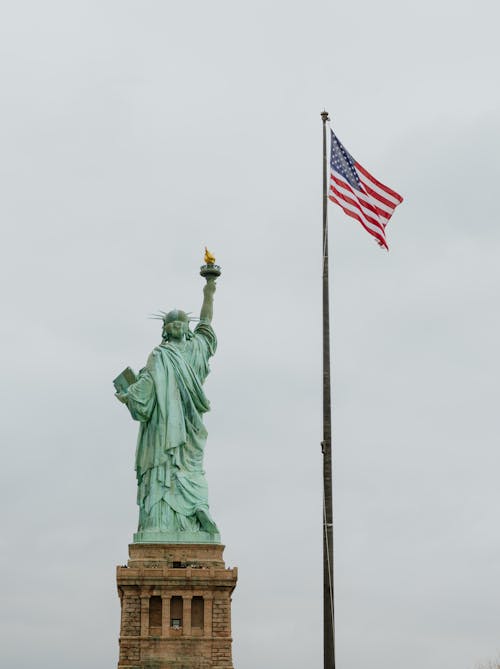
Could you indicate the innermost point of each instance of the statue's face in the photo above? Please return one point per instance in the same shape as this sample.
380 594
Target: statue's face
175 325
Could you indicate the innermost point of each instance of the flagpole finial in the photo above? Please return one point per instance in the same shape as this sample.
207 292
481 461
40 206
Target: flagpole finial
324 116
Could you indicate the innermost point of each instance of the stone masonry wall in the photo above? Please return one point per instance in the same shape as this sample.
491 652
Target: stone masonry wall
155 571
130 627
221 628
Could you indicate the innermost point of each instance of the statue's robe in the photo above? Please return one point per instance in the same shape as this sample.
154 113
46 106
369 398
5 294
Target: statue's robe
169 402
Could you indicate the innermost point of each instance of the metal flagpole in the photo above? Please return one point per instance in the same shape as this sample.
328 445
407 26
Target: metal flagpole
326 444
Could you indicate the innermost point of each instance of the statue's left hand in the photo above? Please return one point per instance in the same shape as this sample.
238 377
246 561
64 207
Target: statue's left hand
122 397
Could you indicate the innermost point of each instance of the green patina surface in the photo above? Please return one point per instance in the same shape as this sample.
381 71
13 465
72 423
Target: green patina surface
168 400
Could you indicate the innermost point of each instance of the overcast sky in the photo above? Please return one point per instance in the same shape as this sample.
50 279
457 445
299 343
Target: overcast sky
134 133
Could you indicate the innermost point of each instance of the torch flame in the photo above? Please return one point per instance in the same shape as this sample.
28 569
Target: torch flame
209 258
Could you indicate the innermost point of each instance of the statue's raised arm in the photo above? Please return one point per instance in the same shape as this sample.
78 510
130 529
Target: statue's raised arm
210 271
207 308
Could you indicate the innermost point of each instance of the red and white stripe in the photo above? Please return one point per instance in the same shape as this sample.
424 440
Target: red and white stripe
372 206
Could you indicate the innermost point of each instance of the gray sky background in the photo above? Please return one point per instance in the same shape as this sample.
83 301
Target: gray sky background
134 133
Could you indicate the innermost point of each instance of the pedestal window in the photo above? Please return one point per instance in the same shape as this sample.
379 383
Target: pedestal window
197 613
176 612
155 615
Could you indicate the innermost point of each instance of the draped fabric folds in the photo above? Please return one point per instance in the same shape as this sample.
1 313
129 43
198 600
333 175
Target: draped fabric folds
169 401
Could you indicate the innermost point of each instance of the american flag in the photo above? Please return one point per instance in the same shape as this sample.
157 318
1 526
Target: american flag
359 194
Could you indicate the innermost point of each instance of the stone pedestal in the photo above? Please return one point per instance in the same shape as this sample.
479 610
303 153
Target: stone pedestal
175 607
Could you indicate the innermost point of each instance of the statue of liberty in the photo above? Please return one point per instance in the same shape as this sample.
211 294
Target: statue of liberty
168 400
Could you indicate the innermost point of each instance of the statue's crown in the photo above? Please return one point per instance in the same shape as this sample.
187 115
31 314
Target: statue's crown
174 315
